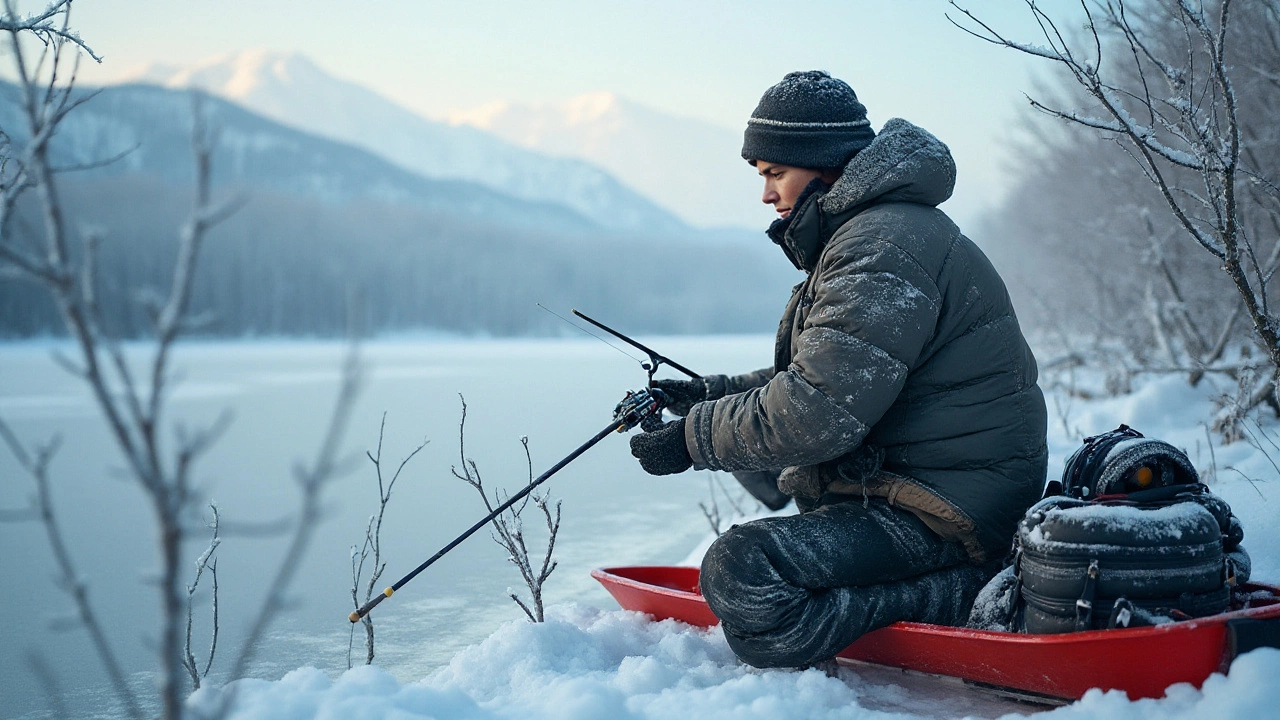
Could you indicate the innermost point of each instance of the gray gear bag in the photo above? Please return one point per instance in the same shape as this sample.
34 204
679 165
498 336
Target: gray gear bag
1135 539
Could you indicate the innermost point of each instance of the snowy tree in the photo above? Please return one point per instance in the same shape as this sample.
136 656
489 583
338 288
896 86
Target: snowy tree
1182 91
130 397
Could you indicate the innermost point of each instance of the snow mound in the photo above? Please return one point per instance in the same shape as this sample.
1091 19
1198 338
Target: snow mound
1249 692
587 664
581 664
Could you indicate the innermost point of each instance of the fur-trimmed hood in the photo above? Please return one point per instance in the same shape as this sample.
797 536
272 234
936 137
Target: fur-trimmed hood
905 163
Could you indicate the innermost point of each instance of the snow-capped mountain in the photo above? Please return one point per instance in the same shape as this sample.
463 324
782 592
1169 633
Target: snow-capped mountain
149 128
325 219
294 91
711 185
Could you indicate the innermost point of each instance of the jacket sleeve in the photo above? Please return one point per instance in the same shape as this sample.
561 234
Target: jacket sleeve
873 309
720 385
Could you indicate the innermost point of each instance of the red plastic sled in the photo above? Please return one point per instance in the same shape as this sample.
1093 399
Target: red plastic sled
1140 661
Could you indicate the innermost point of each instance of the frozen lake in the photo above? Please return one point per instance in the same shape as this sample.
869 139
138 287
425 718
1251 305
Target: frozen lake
557 392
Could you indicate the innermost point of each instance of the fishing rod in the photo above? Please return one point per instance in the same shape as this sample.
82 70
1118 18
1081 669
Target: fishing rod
655 359
635 408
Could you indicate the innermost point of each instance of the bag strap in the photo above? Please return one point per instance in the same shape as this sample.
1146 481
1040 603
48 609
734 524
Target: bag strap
1084 605
1084 462
1154 496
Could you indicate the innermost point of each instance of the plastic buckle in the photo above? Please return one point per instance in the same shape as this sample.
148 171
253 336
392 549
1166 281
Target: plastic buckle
1084 613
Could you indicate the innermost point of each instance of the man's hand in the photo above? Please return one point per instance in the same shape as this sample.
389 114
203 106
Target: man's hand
662 452
684 394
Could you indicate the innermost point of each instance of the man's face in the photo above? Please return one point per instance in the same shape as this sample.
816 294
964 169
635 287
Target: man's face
783 184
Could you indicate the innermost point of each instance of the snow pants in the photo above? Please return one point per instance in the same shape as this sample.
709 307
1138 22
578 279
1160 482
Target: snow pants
792 591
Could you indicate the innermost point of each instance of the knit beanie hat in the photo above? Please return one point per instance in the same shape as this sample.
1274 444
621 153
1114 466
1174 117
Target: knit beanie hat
809 120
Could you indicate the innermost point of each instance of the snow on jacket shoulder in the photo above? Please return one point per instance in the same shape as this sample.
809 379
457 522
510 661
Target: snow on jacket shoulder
901 345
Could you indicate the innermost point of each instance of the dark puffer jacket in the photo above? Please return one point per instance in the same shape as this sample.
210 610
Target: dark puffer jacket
900 370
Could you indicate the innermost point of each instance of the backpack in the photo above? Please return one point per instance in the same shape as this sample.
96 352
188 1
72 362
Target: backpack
1128 537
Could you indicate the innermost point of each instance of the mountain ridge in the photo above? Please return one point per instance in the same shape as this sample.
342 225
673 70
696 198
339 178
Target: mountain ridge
149 128
691 166
292 90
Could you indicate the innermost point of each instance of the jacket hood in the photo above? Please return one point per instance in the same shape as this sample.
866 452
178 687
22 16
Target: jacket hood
905 163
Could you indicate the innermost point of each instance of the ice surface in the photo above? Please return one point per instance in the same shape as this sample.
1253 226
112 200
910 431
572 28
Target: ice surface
589 664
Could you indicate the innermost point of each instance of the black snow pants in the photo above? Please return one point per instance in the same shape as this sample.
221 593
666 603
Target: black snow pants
792 591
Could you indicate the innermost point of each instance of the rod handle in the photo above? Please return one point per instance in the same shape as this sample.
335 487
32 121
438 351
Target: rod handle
368 607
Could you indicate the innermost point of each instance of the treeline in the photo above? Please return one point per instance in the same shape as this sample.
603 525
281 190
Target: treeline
286 265
1085 240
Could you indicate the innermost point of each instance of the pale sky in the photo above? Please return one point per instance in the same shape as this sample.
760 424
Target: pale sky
708 60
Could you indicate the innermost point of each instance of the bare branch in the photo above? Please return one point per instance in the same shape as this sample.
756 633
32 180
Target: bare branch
507 529
1197 129
373 543
206 561
95 164
42 25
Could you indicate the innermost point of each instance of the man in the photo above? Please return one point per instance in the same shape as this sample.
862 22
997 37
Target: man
901 412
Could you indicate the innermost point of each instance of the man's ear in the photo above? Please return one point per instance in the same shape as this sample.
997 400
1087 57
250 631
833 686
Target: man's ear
831 175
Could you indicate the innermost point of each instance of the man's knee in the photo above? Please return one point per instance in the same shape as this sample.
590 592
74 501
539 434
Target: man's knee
741 584
733 560
738 549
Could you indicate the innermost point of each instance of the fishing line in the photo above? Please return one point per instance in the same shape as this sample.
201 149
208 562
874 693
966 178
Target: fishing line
601 339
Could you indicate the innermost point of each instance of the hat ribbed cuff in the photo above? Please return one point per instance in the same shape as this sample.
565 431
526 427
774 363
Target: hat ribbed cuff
801 145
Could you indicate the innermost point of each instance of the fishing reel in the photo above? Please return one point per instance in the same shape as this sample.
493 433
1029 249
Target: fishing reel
641 407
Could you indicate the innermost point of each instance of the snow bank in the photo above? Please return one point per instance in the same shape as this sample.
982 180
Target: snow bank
587 664
1249 691
582 664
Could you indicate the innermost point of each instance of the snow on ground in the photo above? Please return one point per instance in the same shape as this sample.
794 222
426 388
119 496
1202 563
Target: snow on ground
586 663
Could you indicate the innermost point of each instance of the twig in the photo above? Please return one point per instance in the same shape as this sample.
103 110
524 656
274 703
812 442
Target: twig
206 561
508 528
373 543
1213 456
1252 481
43 27
711 512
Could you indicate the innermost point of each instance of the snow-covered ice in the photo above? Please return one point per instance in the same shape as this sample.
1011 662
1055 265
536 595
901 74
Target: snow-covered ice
587 663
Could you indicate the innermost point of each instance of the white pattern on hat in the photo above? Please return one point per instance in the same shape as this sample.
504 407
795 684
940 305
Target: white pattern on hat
784 123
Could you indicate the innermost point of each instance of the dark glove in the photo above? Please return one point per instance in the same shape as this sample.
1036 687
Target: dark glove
662 452
683 394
